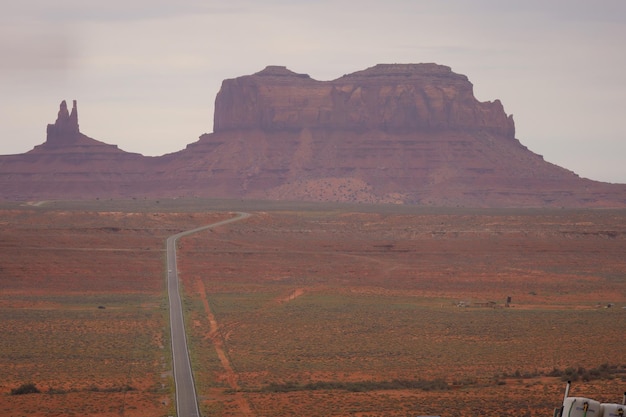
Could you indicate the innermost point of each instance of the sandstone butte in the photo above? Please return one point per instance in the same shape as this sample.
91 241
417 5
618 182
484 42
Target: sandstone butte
394 133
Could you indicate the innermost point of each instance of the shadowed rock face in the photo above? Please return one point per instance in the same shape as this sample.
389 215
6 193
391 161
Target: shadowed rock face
402 134
395 98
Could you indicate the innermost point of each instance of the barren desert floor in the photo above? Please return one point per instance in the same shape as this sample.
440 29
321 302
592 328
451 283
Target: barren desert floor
311 310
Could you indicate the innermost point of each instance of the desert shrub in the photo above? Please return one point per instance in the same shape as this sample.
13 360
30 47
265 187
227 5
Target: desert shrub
604 371
359 386
54 391
555 372
524 374
122 388
464 382
27 388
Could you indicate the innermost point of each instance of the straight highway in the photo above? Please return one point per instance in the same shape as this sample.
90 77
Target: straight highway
186 399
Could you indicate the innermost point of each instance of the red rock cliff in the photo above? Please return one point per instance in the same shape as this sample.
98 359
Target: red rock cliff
402 134
396 98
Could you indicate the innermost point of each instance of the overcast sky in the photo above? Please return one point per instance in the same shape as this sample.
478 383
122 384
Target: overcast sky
146 72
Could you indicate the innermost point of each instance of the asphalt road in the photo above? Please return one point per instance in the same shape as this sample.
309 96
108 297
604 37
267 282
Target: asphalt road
186 400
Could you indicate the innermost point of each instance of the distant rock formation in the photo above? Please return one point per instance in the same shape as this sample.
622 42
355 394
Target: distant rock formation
394 98
70 165
65 129
64 136
398 133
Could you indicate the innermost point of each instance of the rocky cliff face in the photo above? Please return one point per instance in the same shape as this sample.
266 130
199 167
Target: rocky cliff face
389 98
402 134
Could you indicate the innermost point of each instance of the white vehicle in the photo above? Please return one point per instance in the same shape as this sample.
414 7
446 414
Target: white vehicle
585 407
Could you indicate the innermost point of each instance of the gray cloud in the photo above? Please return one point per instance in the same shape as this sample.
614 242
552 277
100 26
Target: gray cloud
42 50
73 11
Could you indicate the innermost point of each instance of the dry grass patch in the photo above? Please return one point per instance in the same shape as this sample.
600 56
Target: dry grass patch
378 297
84 311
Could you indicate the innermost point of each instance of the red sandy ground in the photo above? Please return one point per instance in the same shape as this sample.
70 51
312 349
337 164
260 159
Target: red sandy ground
562 261
58 267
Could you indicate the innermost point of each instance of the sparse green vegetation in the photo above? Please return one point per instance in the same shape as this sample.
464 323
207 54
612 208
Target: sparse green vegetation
604 371
58 267
377 304
359 386
121 388
334 310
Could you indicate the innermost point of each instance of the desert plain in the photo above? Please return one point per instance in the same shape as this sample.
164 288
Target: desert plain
311 309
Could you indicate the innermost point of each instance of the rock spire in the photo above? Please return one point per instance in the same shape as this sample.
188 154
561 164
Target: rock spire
65 129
